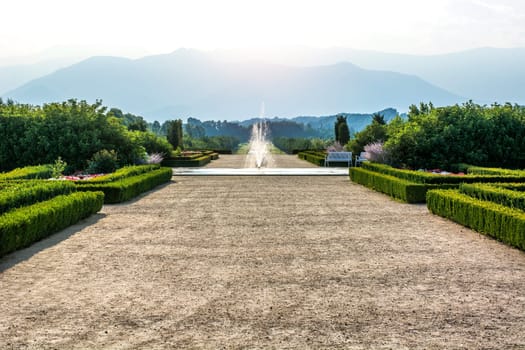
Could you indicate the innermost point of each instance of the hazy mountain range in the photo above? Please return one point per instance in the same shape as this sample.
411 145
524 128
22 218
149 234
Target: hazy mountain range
292 82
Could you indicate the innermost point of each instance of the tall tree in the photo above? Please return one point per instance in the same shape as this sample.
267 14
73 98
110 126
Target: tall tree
342 134
174 133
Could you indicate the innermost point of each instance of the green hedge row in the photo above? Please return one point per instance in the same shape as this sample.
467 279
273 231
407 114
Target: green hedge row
122 173
195 162
130 187
498 221
496 194
494 171
314 157
406 191
28 172
18 194
429 178
512 186
21 227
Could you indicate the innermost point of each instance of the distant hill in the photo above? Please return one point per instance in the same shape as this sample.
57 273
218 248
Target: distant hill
190 83
324 125
485 75
12 76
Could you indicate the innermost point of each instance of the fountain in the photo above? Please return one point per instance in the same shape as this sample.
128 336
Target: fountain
258 143
259 153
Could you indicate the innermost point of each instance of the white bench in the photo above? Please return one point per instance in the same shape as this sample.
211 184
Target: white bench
361 159
338 157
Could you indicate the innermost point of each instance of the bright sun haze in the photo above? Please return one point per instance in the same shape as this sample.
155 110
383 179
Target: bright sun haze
156 26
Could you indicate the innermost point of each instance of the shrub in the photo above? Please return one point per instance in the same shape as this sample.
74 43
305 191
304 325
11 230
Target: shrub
498 221
103 161
58 167
21 227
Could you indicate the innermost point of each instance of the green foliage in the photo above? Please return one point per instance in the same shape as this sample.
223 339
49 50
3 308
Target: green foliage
406 191
29 172
151 142
127 188
73 130
58 167
470 133
498 221
103 161
377 131
22 193
21 227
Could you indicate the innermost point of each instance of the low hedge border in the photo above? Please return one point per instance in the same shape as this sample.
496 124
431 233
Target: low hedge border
406 191
123 173
496 194
194 162
28 172
495 220
130 187
18 194
314 157
476 170
428 178
21 227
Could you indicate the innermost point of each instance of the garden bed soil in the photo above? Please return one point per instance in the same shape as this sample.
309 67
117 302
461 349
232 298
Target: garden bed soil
264 262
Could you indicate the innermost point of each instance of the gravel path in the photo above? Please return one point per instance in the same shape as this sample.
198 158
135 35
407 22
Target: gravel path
263 262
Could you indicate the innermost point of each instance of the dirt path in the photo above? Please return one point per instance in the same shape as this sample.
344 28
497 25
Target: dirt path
264 262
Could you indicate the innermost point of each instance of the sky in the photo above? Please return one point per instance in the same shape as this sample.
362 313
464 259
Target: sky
135 28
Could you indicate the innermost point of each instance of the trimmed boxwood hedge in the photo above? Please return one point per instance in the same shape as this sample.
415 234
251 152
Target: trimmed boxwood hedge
406 191
192 160
429 178
495 220
21 227
496 194
22 193
28 172
494 171
130 187
314 157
